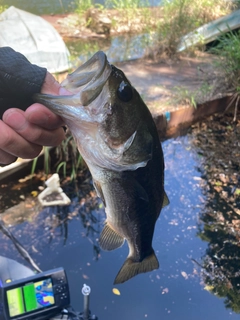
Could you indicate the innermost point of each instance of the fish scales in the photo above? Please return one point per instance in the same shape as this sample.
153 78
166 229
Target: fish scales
117 137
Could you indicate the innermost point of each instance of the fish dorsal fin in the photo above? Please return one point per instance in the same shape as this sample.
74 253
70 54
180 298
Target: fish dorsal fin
110 239
131 268
165 200
98 189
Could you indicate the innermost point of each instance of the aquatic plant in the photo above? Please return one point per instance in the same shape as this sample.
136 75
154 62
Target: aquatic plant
68 162
46 157
68 157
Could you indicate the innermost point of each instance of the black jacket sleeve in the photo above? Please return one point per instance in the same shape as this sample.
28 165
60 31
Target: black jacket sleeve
19 80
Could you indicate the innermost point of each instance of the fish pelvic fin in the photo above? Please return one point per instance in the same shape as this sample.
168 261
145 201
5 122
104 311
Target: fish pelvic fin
110 239
165 200
131 268
98 189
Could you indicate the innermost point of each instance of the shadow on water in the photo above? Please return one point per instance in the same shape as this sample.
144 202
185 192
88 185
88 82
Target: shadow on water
196 237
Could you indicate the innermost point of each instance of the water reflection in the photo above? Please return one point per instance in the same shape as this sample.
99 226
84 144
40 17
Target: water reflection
218 144
190 268
120 48
57 6
50 226
43 6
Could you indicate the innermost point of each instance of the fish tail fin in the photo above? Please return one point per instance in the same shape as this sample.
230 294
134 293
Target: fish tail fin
131 268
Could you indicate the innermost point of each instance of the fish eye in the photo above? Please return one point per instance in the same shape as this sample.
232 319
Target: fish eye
124 92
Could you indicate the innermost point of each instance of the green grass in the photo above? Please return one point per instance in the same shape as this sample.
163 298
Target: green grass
132 15
3 8
82 6
183 16
123 4
228 62
183 96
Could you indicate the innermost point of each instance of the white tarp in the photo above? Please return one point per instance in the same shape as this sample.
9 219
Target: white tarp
35 38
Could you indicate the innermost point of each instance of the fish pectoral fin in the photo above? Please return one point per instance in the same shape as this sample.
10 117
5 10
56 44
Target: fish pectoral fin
98 189
165 200
110 239
131 268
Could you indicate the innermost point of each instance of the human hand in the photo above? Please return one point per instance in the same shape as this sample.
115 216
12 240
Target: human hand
23 133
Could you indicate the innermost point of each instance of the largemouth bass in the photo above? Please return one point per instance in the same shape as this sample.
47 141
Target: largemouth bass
116 135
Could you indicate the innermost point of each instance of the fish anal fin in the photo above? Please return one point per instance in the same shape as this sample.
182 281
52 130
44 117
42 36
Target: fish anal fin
165 200
130 268
110 239
98 189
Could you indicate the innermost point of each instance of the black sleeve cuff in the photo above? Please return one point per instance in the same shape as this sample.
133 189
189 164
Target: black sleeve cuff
19 80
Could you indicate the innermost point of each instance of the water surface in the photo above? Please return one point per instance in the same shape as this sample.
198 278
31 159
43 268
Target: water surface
178 290
117 48
54 6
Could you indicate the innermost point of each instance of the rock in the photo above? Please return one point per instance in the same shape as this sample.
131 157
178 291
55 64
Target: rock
98 21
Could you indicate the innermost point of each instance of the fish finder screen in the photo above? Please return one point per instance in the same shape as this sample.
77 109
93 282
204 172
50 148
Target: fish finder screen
30 297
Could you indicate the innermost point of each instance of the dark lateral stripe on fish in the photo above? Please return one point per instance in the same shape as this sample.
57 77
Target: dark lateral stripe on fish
109 239
130 268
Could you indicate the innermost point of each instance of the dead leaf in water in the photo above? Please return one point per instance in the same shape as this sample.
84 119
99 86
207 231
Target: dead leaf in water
166 290
184 274
209 288
116 291
34 193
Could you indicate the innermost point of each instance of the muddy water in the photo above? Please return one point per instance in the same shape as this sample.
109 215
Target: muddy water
196 237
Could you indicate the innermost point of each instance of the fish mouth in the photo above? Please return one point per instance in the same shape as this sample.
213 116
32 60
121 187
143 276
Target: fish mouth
91 77
86 82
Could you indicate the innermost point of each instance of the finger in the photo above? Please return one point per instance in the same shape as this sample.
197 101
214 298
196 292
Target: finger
15 145
16 119
52 86
41 116
6 158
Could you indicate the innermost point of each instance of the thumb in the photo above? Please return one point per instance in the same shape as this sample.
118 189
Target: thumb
52 86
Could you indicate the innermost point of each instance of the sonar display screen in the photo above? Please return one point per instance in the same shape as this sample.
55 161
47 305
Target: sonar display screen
30 297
